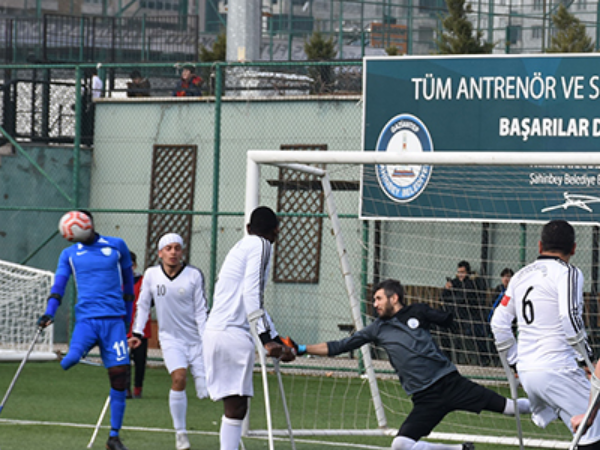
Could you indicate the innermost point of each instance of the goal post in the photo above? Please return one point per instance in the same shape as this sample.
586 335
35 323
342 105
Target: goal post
252 201
326 396
22 301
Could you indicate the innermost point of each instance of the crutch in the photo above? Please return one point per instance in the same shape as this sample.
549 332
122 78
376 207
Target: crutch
100 419
578 343
283 400
594 395
503 348
14 380
253 317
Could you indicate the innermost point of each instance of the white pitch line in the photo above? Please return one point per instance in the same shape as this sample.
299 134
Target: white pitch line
170 430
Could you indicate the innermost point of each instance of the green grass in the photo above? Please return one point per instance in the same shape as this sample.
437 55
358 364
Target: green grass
63 407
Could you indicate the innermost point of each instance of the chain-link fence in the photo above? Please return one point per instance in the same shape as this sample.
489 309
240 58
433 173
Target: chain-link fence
357 27
153 163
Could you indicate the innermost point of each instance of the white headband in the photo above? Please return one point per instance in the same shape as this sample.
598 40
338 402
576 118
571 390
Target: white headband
169 238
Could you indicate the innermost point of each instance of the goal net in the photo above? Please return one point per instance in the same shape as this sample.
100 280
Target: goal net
22 301
327 258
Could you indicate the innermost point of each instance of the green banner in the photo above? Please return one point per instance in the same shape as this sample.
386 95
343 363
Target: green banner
482 104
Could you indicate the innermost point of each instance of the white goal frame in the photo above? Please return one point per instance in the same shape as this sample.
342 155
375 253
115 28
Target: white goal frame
300 160
19 311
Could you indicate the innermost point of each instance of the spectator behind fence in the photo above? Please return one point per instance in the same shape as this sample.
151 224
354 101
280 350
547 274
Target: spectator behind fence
97 85
505 277
138 86
463 296
189 84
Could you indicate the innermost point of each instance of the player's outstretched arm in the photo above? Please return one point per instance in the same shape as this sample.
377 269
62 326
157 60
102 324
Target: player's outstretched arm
318 349
299 349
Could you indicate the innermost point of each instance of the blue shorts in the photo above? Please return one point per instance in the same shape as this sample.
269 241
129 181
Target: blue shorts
108 333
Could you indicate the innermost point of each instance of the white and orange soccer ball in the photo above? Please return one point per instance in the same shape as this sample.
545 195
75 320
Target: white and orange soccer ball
75 226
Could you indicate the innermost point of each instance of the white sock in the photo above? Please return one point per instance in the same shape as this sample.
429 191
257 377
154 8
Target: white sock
522 403
178 407
231 433
405 443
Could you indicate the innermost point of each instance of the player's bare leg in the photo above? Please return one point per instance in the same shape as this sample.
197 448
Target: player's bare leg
178 407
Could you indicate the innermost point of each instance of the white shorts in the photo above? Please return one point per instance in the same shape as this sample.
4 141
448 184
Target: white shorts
229 361
179 355
559 393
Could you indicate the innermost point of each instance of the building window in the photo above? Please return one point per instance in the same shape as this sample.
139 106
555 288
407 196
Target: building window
536 33
168 5
537 4
581 4
514 34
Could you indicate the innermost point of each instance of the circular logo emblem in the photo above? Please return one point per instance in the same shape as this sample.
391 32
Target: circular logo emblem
106 251
413 323
403 182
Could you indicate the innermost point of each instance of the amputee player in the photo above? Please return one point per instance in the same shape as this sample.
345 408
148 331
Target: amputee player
425 372
546 298
177 290
228 343
102 269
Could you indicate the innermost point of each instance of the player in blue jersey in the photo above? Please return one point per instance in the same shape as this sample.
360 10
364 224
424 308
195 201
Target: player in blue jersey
102 269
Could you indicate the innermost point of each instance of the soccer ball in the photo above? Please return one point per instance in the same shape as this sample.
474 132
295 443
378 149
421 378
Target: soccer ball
75 226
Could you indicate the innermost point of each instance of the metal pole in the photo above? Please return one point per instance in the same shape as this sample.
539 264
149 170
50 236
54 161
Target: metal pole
364 266
215 193
409 28
341 31
144 37
377 253
362 28
290 37
77 140
491 21
81 38
597 26
594 287
485 252
543 26
523 244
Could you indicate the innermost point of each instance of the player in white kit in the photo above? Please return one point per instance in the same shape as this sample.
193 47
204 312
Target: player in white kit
546 298
228 343
177 290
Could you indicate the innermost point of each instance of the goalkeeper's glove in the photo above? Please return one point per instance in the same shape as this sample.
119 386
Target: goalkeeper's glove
298 349
45 320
